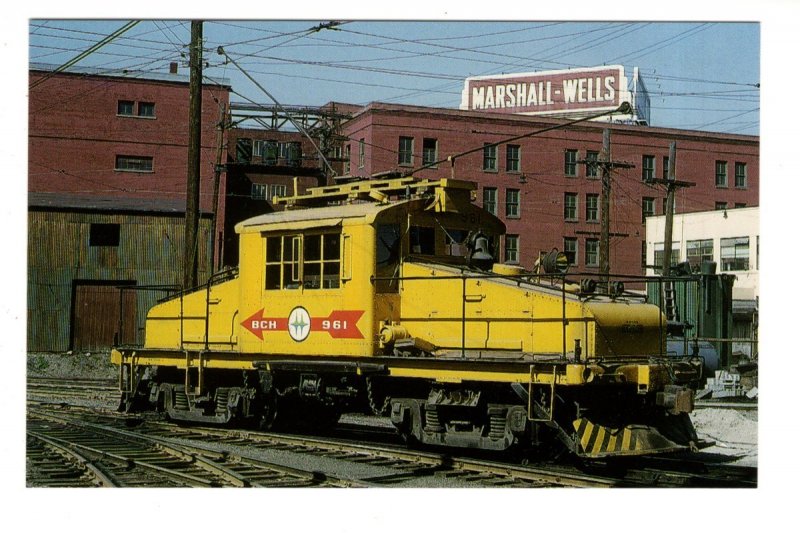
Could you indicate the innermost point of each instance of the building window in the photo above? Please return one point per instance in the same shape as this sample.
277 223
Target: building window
665 169
571 250
740 175
132 163
361 153
735 254
346 166
570 206
591 163
430 152
147 109
648 167
405 151
512 203
512 158
293 153
490 157
104 235
269 152
276 190
570 162
259 147
721 174
648 208
738 205
720 206
592 252
258 191
490 200
698 252
125 108
592 212
658 258
512 249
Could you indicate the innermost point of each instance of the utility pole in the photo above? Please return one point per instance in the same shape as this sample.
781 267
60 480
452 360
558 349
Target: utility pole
193 176
671 183
223 123
605 162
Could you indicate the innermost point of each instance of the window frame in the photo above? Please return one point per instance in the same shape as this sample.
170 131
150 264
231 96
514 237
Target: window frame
591 252
513 158
737 175
591 164
513 206
728 263
405 154
146 105
146 161
489 157
430 155
490 190
645 212
120 103
574 242
648 167
571 163
591 209
508 250
294 261
571 209
721 174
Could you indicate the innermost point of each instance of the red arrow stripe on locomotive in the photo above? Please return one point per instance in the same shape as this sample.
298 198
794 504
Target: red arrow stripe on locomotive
257 324
339 324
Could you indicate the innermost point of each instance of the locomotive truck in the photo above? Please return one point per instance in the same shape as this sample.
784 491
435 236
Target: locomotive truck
386 293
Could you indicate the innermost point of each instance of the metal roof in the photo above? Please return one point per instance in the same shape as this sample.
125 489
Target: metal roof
125 73
63 201
318 216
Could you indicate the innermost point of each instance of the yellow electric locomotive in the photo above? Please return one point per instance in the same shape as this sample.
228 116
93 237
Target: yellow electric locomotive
385 293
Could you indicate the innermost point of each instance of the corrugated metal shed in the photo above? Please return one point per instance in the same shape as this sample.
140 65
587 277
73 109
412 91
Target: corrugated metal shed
65 258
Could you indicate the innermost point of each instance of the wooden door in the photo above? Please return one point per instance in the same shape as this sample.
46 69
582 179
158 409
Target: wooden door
96 314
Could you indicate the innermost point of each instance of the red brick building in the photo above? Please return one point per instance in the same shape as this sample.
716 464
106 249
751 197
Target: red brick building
541 187
119 134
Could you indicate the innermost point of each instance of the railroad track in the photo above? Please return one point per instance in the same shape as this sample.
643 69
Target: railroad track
340 462
351 455
100 455
73 389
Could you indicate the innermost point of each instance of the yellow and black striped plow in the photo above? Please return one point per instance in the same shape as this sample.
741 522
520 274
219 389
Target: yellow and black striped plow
595 440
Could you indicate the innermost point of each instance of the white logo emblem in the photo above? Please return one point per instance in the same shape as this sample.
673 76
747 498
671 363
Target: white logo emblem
299 324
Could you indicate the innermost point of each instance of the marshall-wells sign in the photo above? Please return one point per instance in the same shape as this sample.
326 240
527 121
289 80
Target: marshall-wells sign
550 92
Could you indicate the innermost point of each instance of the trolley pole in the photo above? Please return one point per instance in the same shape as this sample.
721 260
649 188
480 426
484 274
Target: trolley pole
193 175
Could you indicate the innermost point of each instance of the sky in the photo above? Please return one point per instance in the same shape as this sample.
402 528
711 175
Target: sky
700 75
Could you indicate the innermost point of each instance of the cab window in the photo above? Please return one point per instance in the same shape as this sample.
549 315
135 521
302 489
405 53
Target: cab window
310 261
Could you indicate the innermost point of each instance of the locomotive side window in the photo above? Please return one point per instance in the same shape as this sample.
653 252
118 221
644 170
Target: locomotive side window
283 262
321 261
